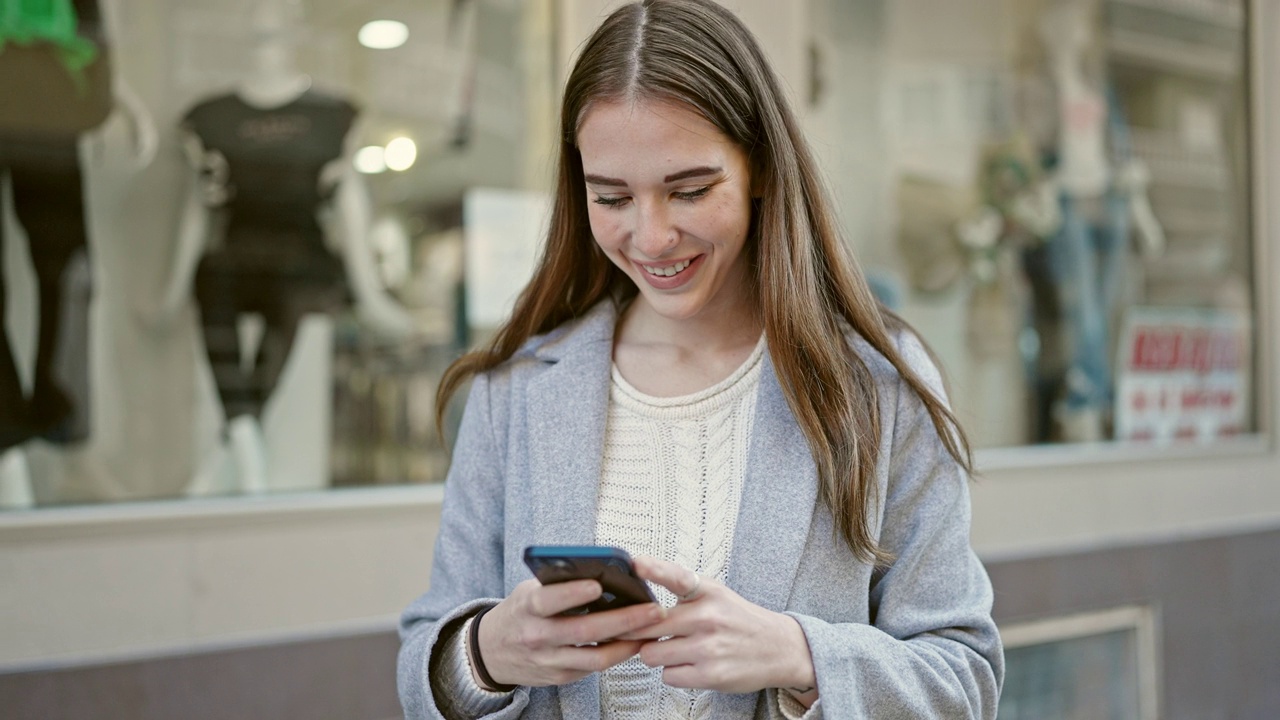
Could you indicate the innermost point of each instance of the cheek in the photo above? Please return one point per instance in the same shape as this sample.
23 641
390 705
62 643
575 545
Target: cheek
730 222
604 229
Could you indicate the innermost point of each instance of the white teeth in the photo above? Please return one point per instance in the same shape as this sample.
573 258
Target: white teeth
669 270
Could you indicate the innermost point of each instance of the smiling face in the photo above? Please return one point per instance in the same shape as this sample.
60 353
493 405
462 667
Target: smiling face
669 200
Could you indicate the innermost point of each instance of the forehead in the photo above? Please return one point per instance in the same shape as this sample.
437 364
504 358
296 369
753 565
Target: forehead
650 132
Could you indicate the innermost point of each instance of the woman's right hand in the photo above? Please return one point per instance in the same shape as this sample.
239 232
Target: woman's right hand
525 641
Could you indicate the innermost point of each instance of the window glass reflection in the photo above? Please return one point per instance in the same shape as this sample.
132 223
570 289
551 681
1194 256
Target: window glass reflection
233 235
242 239
1055 192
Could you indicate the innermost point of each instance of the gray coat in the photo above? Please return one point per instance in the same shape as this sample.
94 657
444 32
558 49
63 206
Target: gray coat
915 640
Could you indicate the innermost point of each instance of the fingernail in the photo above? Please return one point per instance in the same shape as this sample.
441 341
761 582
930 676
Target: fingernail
657 612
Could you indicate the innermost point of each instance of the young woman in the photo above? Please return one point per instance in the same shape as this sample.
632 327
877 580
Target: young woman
697 373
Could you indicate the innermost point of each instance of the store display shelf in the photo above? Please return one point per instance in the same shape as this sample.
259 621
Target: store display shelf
1182 175
1178 222
1222 13
1172 162
1206 266
1166 143
1168 55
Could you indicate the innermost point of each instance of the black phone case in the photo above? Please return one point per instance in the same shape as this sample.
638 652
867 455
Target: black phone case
621 587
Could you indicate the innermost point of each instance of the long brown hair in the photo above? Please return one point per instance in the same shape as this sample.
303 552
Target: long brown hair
811 290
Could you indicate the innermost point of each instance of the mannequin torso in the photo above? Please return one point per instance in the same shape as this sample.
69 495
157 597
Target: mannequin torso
269 158
1083 167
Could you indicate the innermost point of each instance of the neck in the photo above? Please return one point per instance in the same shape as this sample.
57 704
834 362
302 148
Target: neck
715 330
274 81
1068 66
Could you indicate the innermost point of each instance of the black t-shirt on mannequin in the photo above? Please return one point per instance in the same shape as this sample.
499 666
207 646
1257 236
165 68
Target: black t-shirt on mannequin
265 168
274 158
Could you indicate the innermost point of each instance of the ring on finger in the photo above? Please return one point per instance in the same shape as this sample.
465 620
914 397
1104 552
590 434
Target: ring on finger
694 591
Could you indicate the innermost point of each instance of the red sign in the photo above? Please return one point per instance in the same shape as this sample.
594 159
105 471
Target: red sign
1183 374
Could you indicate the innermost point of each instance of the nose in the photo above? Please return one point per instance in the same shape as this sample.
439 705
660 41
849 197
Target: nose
654 233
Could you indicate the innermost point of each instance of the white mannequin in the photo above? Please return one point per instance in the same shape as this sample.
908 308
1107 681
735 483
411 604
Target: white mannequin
15 479
1083 167
275 82
1086 179
1084 170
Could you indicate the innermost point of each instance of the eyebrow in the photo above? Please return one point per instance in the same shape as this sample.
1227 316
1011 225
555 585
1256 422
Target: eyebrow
701 171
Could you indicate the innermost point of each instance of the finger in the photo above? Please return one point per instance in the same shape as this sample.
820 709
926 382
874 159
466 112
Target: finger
596 658
551 600
684 676
676 623
667 653
679 580
651 632
611 624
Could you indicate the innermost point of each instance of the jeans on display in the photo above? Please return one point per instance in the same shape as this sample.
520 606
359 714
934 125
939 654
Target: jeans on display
1087 261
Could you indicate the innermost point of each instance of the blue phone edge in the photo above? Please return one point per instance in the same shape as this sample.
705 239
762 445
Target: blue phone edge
533 552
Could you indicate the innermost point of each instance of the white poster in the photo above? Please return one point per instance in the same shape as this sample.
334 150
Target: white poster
1183 374
503 232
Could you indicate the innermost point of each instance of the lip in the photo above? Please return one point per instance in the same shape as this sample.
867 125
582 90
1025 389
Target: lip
670 283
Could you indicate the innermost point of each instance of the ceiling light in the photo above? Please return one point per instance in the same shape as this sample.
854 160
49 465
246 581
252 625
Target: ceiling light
401 154
371 160
383 34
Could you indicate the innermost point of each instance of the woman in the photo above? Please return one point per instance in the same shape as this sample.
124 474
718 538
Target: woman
698 373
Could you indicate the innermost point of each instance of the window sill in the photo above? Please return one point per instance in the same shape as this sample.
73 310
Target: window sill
203 513
1036 457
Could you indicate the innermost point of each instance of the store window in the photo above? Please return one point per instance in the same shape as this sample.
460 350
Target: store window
1100 665
242 240
233 234
1056 193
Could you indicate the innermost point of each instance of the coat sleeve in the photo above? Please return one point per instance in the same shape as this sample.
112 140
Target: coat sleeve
931 649
466 573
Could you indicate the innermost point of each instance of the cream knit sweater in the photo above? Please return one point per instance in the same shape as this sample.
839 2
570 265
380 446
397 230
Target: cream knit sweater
670 487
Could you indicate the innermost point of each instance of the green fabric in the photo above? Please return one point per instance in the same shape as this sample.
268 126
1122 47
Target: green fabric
27 22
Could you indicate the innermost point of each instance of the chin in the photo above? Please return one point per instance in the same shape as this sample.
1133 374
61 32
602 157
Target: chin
673 308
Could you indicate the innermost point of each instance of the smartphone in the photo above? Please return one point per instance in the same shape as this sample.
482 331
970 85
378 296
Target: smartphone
610 566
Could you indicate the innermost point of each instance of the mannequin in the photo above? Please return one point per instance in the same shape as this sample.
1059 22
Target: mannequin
274 183
1016 210
59 89
1102 196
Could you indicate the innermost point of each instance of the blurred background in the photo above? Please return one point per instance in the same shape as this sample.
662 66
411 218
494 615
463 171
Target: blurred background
242 240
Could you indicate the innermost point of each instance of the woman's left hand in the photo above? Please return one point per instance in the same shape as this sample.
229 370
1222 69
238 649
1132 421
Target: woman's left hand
716 640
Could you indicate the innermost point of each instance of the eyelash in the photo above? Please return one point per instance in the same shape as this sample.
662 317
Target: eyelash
693 194
690 196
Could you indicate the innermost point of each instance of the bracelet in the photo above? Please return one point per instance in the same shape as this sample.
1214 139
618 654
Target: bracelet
487 682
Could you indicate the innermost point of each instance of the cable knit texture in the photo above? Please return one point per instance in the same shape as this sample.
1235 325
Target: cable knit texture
670 487
454 684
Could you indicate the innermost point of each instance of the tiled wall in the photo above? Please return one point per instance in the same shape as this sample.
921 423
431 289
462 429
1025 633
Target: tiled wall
337 679
1219 606
1219 602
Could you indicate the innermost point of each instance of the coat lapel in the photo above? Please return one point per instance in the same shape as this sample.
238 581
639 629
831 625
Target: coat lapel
566 413
779 495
